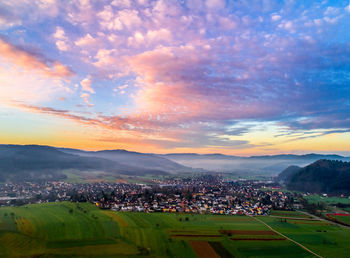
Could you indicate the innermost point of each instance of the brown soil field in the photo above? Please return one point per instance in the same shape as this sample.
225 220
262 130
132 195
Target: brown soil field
203 249
220 250
247 232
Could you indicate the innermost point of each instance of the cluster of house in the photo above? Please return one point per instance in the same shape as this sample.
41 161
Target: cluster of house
213 198
204 194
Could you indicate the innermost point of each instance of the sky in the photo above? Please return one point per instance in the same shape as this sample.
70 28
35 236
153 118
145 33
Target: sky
241 77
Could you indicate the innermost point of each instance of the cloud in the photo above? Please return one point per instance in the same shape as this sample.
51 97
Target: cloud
86 85
121 89
215 4
121 3
16 13
8 19
85 96
275 17
58 113
85 41
188 65
105 58
117 21
347 8
141 130
30 60
61 39
27 75
29 86
62 45
79 13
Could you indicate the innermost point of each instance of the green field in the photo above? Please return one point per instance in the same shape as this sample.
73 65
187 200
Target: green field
76 230
327 200
294 214
343 219
325 239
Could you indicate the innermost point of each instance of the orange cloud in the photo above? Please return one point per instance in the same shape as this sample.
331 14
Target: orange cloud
32 61
166 89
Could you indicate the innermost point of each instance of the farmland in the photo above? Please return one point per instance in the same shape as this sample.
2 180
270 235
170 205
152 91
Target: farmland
314 198
59 229
343 218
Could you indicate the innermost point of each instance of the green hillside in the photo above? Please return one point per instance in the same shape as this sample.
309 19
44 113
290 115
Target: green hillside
77 230
322 176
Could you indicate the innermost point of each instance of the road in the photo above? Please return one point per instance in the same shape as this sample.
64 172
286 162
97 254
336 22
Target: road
279 233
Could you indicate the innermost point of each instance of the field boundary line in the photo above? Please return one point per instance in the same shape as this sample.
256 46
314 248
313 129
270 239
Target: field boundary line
326 220
295 242
294 218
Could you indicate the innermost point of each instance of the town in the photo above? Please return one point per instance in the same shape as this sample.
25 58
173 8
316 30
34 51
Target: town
205 194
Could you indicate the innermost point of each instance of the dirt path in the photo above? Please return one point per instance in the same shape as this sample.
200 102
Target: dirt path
295 242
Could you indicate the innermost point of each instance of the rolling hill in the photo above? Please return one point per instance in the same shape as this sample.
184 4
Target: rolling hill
29 162
322 176
135 159
34 162
287 173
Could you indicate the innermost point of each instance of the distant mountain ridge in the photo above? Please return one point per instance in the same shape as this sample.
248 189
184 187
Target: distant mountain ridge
322 176
27 162
36 162
269 165
278 156
135 159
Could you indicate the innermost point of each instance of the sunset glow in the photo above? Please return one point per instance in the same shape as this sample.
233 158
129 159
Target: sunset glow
215 76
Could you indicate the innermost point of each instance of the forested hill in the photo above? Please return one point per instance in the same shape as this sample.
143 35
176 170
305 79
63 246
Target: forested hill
322 176
34 162
287 173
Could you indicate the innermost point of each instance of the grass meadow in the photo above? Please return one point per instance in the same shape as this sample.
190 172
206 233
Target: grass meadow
78 230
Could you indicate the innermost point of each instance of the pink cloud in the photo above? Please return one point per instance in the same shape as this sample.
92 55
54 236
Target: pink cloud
30 61
87 40
187 64
86 85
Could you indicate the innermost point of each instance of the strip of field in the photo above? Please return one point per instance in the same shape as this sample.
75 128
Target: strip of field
203 249
194 235
302 246
121 222
289 214
311 223
220 249
342 218
258 239
247 232
231 218
24 226
294 218
183 231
